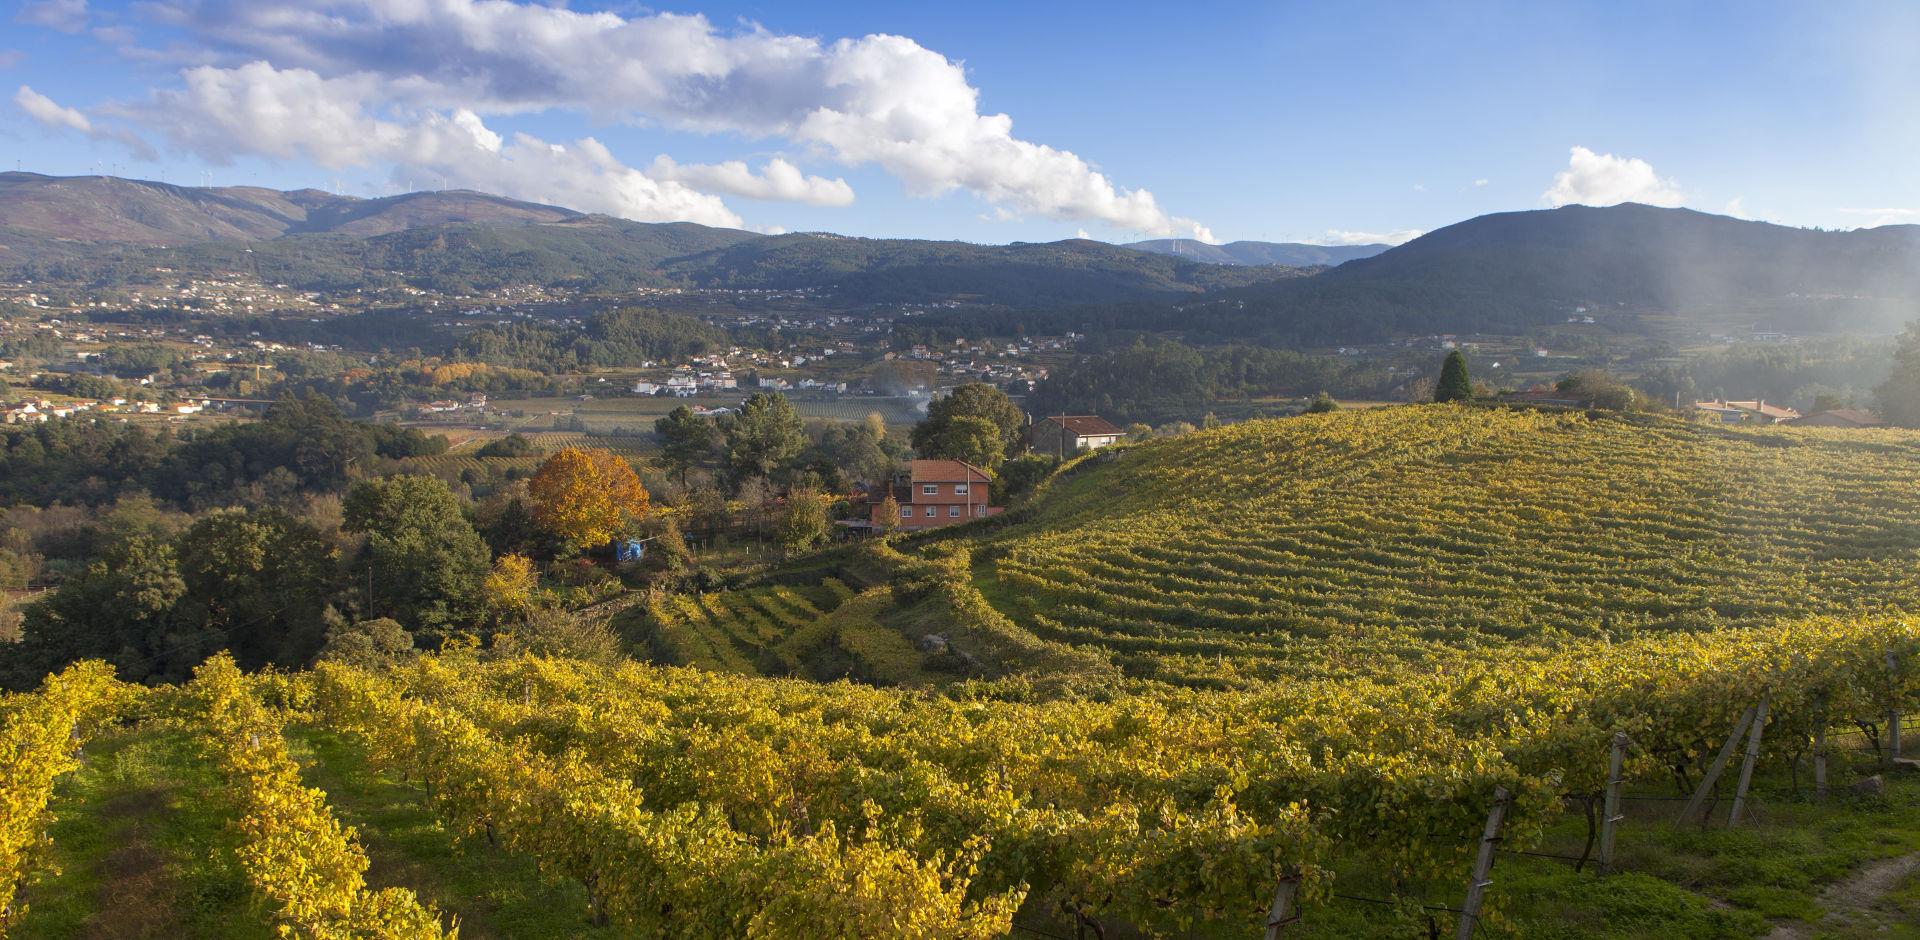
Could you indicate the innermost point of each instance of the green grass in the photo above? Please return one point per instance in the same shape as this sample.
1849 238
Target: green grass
493 894
143 849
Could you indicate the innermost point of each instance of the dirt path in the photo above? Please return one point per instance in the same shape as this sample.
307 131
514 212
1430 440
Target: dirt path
136 898
1853 897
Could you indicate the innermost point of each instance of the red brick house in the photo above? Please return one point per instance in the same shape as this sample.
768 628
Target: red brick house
939 492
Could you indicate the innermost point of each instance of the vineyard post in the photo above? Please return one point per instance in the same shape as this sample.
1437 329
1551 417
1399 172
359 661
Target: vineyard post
1281 913
1616 766
1893 715
1719 765
1746 765
1820 747
1482 866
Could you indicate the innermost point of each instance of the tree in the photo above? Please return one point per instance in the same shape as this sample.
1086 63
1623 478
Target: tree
586 496
764 438
508 588
513 445
1599 390
805 523
1321 404
366 644
121 608
971 438
1022 474
422 563
889 515
260 580
972 400
686 441
1899 395
1454 385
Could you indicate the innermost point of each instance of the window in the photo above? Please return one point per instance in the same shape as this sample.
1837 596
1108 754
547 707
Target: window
906 512
959 489
929 512
953 512
929 489
979 510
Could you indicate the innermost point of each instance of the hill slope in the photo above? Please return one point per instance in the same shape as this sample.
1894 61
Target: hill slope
1407 530
1514 271
1256 253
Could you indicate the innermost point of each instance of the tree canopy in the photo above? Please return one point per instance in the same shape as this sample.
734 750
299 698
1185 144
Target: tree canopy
586 496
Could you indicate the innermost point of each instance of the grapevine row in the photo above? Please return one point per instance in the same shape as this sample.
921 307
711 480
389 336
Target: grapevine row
40 736
296 853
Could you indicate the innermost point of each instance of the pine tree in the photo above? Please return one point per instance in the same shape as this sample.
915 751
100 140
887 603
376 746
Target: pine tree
1454 384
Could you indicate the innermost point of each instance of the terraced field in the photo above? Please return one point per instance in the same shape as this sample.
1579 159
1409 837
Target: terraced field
1419 531
746 631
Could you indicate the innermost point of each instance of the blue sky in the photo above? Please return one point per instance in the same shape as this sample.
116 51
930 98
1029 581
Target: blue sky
1273 121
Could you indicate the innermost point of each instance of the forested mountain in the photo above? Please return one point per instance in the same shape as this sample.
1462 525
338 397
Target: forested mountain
1256 253
912 270
1513 271
112 210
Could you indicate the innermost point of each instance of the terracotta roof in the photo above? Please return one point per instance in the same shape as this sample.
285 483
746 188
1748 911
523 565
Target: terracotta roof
947 471
1085 425
1839 417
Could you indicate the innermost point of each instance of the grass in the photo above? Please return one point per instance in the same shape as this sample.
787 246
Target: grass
492 893
142 849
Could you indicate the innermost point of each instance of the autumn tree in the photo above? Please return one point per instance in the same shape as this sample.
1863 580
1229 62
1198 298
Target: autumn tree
889 519
508 588
586 496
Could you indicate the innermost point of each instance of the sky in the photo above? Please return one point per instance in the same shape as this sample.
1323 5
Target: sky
993 122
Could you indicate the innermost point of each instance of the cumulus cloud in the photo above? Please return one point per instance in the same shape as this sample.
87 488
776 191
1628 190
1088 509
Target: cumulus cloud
222 113
1602 179
876 100
778 179
1336 236
67 16
49 112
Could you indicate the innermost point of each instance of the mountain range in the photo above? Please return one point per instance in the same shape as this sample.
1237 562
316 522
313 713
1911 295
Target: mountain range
1510 272
1294 254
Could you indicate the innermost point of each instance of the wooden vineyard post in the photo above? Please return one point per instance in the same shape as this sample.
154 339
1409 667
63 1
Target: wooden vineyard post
1893 717
1719 765
1616 770
1281 913
1482 866
1746 766
1820 748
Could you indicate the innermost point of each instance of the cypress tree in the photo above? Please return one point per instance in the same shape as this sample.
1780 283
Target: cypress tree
1454 384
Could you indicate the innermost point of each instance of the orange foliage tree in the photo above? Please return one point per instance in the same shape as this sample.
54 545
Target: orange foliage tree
586 495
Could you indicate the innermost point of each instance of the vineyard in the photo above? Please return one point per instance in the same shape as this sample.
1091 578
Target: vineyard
681 802
1314 545
1411 672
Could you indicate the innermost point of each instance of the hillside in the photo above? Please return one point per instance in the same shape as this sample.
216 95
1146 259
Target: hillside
890 270
1256 253
1329 545
111 210
1515 271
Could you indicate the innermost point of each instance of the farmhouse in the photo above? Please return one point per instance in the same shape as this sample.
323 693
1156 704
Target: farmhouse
939 492
1750 412
1064 435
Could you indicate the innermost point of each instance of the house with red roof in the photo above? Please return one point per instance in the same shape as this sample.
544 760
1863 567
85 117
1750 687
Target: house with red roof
938 492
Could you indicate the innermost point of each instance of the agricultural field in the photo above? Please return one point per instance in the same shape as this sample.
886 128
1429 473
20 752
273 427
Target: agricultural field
1315 544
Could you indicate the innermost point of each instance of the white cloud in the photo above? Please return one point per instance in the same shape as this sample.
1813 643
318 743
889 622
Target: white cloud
1479 183
1081 233
1336 236
1737 207
67 16
880 100
294 113
1602 179
49 112
778 179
